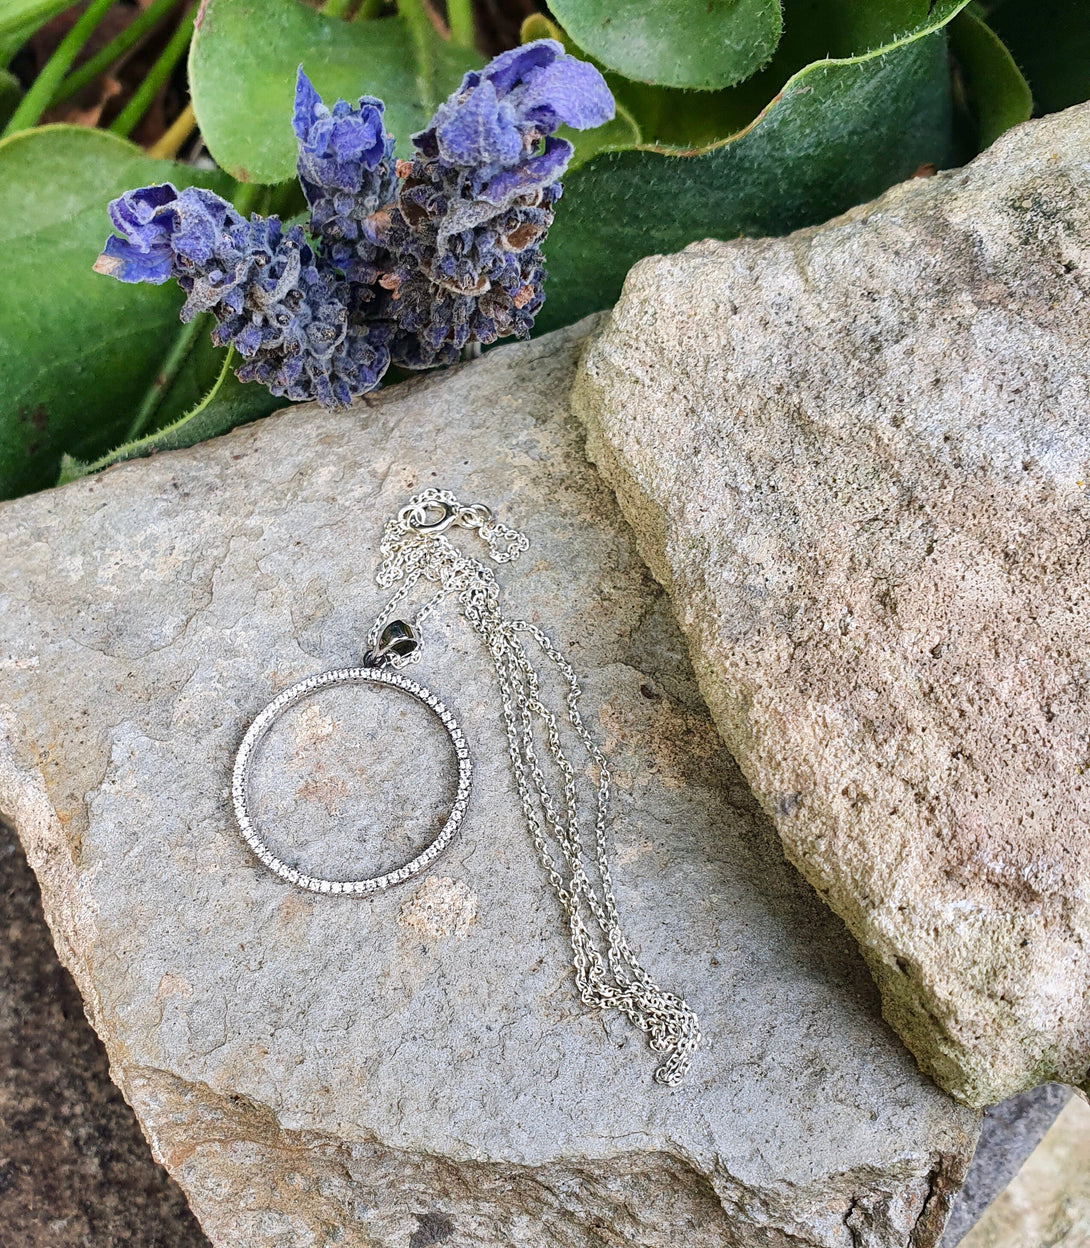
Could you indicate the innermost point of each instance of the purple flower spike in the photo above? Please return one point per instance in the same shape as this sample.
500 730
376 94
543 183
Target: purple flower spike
474 207
541 170
545 84
345 168
291 318
337 147
167 234
480 131
568 92
407 263
499 113
510 68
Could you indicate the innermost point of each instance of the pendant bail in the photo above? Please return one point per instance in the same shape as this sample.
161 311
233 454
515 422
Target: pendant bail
396 641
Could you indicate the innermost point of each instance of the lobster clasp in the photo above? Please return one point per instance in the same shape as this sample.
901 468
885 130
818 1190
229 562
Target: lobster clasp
432 516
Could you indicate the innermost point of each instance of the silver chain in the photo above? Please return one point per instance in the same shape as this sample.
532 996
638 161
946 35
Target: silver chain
607 973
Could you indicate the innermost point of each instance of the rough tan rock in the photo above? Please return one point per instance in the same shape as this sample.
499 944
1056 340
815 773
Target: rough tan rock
416 1069
859 458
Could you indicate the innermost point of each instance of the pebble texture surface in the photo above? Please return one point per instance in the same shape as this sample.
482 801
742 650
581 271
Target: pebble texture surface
415 1068
859 458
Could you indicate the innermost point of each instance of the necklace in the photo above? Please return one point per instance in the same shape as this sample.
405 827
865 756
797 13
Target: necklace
415 549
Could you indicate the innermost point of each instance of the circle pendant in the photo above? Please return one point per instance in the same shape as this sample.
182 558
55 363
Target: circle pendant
240 780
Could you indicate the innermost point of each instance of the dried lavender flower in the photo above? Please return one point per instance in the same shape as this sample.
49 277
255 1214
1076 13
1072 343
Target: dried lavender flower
477 199
346 171
495 120
408 262
287 316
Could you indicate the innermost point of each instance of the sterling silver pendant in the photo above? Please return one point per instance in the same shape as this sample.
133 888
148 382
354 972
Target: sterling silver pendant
263 723
569 825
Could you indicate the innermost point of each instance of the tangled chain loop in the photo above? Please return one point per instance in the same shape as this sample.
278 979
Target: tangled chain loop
608 974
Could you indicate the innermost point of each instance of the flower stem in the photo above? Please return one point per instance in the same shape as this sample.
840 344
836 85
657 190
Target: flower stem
336 8
369 10
420 31
460 17
246 197
172 364
38 98
115 49
166 148
130 115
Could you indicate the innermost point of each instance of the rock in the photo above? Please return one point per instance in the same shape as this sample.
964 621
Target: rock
416 1069
859 458
1009 1133
1048 1201
74 1169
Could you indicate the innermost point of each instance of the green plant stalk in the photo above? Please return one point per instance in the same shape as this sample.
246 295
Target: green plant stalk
421 31
244 200
172 364
40 95
280 200
336 8
115 49
246 197
460 16
167 146
369 10
130 115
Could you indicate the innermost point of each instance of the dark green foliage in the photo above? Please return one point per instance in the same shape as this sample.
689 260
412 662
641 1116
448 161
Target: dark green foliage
1050 42
734 117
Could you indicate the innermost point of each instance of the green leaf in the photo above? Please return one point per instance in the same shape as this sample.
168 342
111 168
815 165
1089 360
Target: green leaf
227 404
677 43
999 96
1050 40
838 133
847 28
19 19
77 350
688 120
242 76
616 135
10 95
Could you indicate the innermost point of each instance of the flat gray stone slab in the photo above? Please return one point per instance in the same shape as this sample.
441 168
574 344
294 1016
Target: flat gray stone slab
859 457
416 1068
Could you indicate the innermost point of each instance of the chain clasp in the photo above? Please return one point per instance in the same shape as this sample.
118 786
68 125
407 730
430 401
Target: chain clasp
398 640
436 515
422 516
